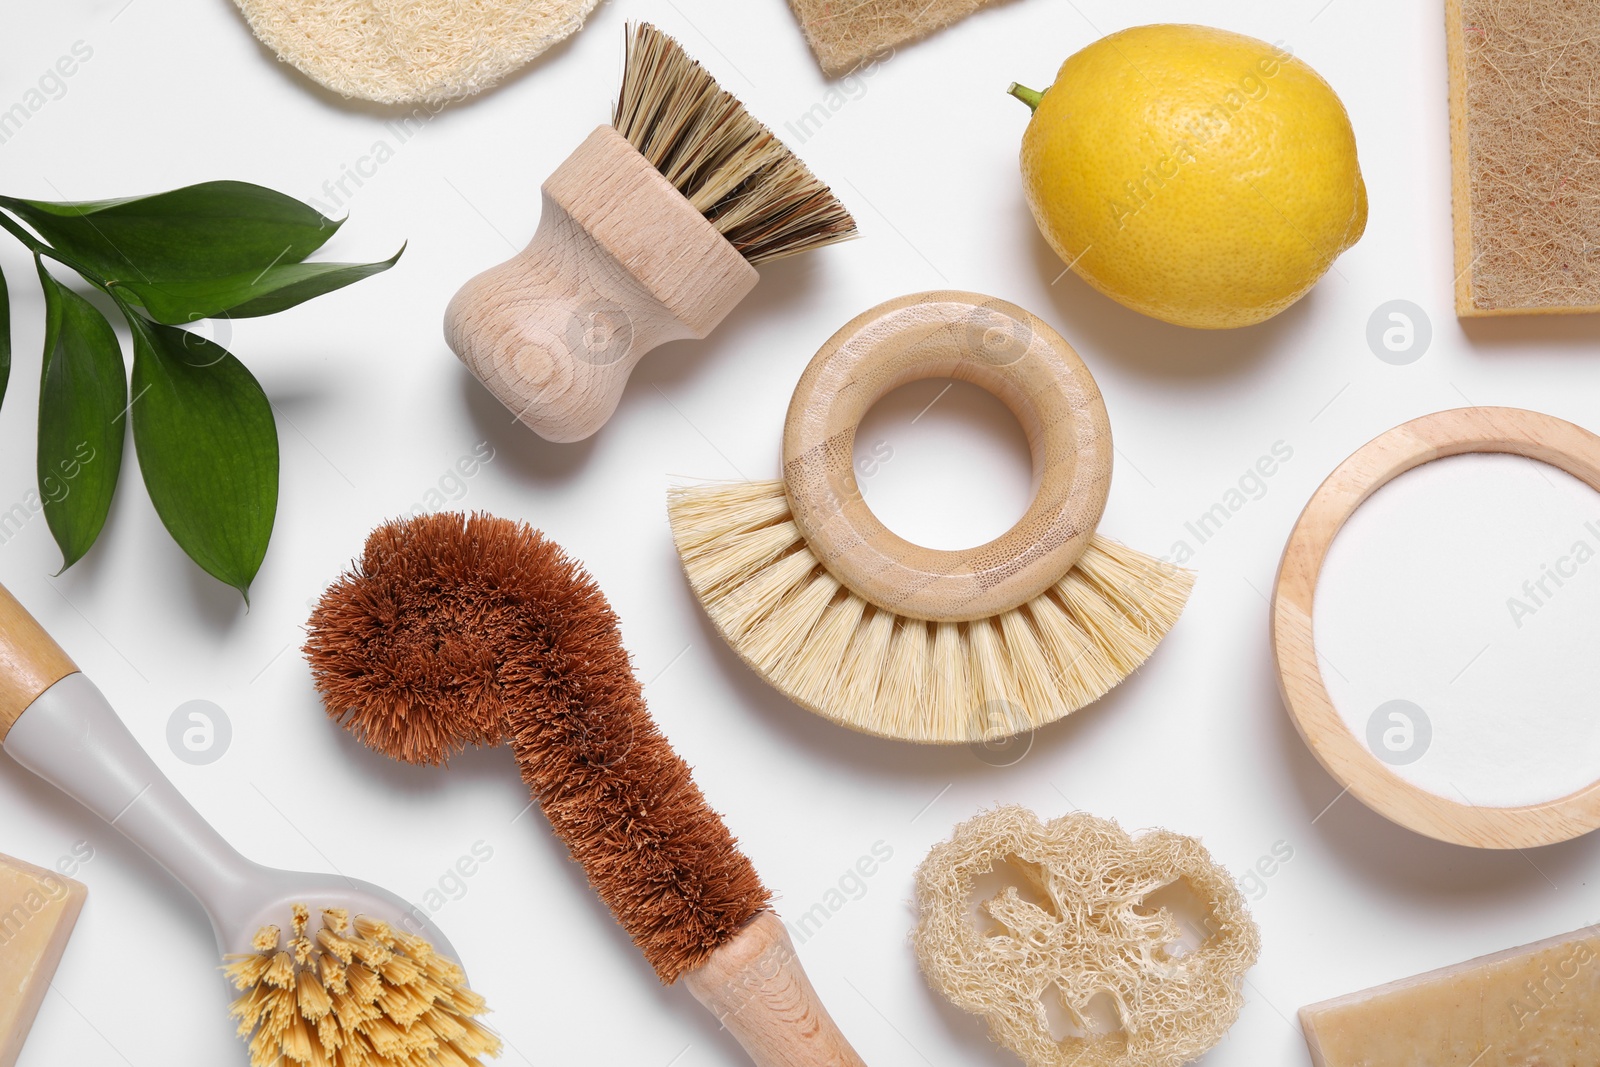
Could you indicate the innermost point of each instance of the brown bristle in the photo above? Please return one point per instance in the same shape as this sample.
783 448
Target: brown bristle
453 631
751 187
302 1011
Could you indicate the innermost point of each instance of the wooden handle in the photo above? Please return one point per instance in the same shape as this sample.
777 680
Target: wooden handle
621 263
30 662
1346 756
757 989
995 345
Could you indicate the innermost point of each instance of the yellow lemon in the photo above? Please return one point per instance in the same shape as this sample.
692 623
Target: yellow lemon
1196 175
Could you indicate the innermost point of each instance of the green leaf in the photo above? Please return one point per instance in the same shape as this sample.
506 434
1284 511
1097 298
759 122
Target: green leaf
200 251
257 293
205 230
208 449
5 337
83 393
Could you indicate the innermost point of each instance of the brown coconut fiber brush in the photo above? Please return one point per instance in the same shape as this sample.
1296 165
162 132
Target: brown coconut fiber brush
649 233
452 631
898 640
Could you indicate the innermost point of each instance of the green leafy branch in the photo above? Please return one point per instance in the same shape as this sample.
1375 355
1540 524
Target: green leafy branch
203 428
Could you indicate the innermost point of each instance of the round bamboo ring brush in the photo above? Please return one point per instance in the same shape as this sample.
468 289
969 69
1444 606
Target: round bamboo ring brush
649 233
452 631
893 639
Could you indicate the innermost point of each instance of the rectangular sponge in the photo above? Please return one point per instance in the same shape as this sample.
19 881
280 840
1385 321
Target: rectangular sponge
1535 1006
1525 155
37 911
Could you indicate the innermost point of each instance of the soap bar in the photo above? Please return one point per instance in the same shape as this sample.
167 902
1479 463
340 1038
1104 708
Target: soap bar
37 911
1535 1005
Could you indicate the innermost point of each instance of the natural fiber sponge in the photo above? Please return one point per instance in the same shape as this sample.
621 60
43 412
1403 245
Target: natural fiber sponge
1078 930
843 36
411 51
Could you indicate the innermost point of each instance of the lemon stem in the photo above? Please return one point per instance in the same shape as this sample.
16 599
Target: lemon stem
1028 96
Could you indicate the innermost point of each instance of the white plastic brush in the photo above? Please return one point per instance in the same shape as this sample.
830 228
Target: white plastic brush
372 984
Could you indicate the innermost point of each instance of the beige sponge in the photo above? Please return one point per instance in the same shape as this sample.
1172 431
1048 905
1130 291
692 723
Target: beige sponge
1080 931
844 36
411 51
1525 155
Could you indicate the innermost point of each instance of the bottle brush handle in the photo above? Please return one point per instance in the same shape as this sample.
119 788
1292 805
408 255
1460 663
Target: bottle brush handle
758 990
30 661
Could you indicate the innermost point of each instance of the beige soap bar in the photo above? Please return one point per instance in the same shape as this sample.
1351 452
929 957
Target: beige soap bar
1535 1006
37 911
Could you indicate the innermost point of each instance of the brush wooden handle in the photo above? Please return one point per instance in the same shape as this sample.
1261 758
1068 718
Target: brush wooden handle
757 989
621 263
30 661
995 345
1346 756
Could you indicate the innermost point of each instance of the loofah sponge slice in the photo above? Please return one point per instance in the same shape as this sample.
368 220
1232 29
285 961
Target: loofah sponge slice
843 36
1086 934
411 51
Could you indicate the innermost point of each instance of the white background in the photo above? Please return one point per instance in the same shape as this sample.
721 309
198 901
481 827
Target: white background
373 412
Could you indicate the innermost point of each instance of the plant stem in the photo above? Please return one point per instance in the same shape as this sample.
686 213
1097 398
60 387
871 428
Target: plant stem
1028 96
39 248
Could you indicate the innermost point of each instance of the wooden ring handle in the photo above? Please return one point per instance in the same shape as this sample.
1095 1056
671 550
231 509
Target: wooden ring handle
30 661
1344 755
992 344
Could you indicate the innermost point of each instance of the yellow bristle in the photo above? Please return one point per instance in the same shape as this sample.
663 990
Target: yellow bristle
280 973
364 984
297 1042
314 1000
405 1006
336 945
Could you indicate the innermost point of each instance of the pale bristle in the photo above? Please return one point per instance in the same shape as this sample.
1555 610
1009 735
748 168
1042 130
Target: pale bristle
401 1006
744 180
869 669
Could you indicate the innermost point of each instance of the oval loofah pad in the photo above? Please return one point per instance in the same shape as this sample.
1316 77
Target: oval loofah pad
1080 929
411 51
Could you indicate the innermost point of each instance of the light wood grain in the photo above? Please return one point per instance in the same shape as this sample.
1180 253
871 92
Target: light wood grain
999 347
1341 752
758 990
621 263
30 662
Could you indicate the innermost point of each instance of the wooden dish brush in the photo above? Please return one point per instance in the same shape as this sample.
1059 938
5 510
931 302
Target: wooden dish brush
893 639
648 234
373 985
453 631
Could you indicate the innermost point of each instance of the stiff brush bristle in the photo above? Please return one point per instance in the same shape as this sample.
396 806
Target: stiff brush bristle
752 188
454 631
357 994
869 669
